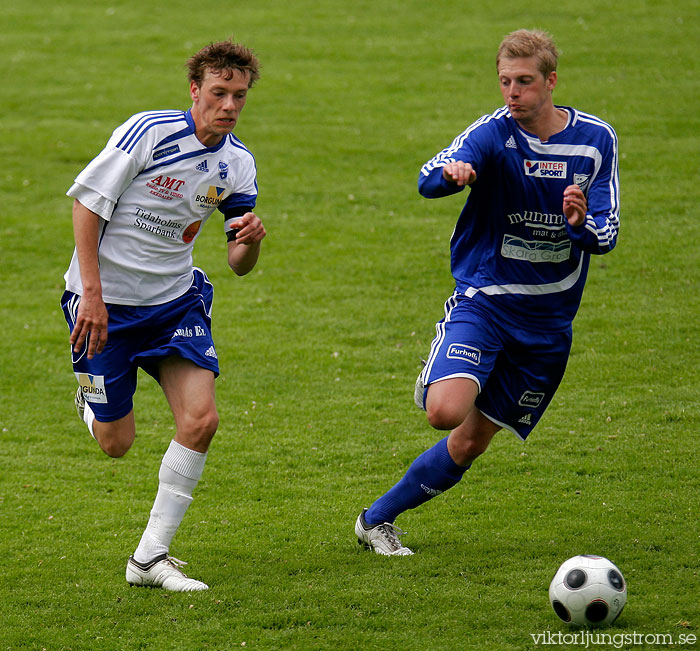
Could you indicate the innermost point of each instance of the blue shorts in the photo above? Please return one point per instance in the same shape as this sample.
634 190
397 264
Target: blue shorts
142 336
517 370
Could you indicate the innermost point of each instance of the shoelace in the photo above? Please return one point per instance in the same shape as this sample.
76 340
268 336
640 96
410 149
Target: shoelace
391 532
177 564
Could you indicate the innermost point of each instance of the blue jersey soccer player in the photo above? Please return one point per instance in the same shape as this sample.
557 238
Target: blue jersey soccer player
133 298
543 196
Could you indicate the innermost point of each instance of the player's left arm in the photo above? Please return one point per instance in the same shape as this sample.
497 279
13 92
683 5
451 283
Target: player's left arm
575 206
593 218
245 233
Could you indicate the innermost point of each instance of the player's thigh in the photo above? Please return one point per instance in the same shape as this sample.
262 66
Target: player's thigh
190 392
108 380
461 358
524 381
448 401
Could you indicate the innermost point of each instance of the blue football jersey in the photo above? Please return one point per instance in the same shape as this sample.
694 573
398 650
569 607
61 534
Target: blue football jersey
512 249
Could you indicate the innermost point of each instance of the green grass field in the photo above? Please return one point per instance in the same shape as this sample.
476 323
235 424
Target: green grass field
320 345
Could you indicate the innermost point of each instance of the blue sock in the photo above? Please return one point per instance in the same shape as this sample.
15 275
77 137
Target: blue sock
432 473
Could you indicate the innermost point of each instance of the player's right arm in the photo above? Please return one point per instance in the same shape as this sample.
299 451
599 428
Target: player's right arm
99 186
454 168
459 172
92 313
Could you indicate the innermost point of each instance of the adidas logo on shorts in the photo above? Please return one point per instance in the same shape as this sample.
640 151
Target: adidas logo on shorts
526 420
210 352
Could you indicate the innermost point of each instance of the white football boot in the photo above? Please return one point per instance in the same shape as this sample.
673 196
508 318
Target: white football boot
380 538
419 392
162 572
80 404
82 407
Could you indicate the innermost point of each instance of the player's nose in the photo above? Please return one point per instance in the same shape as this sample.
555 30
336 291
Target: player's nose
229 104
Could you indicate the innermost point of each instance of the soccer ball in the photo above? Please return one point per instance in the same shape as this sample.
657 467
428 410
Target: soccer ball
588 591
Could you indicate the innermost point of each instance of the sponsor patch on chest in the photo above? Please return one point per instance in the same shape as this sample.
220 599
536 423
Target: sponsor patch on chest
548 169
209 196
168 151
516 248
165 187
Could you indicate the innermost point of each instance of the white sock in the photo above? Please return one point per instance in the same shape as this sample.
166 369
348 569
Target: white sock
179 473
89 418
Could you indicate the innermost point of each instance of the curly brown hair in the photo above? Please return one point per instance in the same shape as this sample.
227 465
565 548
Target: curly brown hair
530 43
223 58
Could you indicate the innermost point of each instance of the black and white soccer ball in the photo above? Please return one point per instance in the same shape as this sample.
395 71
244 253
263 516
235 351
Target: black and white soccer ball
588 591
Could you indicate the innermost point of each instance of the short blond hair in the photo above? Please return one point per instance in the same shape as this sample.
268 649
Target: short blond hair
530 43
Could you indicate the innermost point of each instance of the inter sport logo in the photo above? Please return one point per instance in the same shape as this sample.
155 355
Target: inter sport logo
549 169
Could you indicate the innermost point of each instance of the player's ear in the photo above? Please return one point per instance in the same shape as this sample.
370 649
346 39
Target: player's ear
194 91
551 80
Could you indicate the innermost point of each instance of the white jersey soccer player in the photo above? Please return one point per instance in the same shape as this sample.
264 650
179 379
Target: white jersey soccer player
544 195
155 185
133 298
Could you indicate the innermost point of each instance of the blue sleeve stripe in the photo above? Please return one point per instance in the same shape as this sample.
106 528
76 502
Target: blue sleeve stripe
143 124
144 118
187 131
239 145
129 146
238 199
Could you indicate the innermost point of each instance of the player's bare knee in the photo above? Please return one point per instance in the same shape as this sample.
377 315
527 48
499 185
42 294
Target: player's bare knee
474 448
200 429
443 417
115 438
115 448
464 452
209 423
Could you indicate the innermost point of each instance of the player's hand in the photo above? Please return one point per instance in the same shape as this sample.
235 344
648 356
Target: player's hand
459 172
91 320
251 229
575 205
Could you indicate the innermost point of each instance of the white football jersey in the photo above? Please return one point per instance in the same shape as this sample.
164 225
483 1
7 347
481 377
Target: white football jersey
154 185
